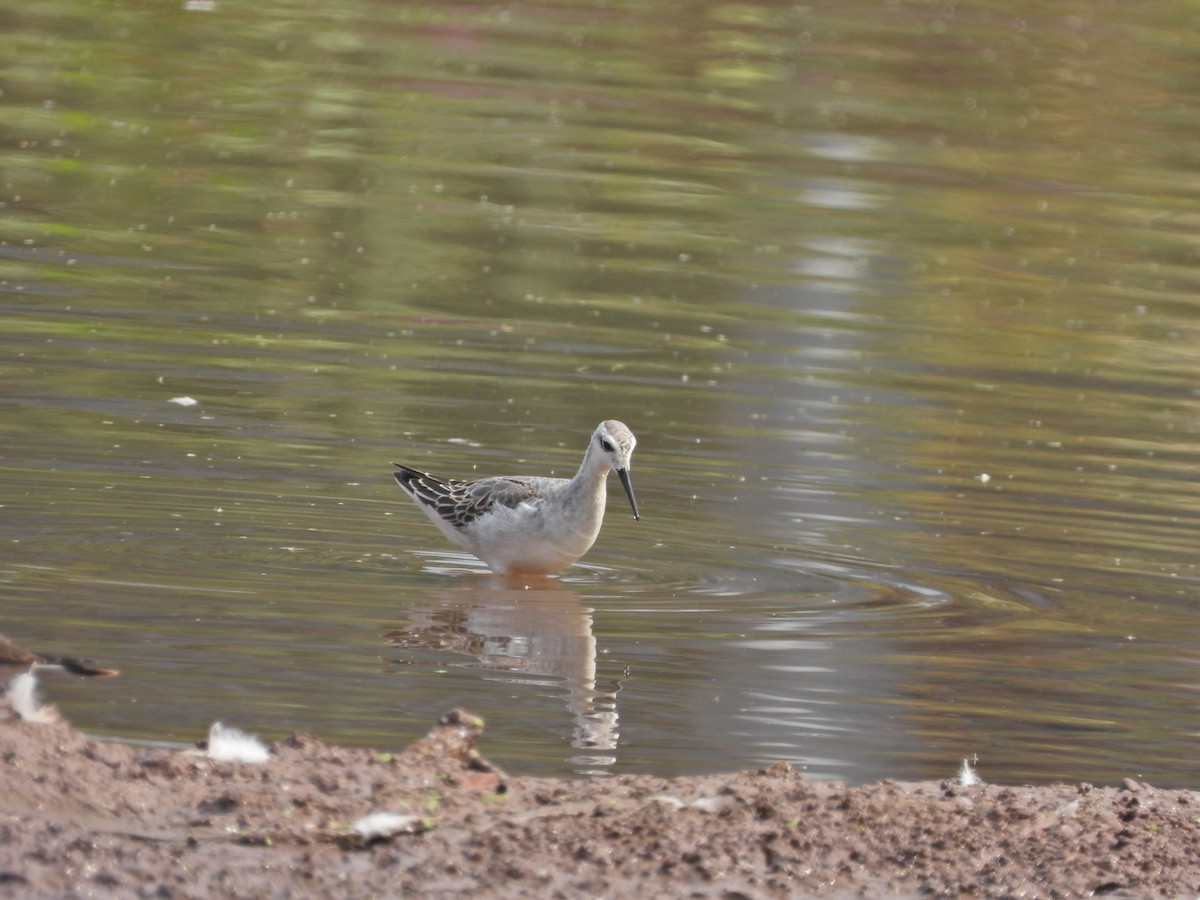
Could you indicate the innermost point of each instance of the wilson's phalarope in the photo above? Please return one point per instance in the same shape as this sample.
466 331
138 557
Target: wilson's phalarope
528 525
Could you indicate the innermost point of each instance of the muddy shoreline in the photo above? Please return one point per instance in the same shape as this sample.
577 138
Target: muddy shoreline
85 817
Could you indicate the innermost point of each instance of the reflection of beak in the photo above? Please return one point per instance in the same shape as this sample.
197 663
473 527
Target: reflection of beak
623 474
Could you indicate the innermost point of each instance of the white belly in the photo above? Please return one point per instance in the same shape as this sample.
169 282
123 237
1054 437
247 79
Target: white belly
528 540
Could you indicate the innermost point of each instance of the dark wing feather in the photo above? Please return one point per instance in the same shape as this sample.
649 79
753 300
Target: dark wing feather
86 667
12 655
462 502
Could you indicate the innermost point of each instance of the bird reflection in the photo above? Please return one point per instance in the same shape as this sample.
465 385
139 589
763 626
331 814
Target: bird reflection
533 630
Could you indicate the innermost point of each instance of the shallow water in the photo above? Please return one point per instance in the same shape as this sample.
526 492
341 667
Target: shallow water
900 307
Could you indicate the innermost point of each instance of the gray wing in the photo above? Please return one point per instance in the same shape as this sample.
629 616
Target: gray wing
462 502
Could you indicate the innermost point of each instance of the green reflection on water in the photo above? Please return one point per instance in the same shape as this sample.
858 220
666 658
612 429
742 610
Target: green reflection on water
832 266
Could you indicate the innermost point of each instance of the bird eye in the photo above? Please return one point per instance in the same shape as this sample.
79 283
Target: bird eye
606 445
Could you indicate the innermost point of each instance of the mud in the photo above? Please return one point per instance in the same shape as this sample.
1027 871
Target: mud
81 817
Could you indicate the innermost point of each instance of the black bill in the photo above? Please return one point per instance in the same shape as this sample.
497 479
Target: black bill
623 474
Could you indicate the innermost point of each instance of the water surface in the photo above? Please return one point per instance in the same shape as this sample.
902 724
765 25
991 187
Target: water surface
899 301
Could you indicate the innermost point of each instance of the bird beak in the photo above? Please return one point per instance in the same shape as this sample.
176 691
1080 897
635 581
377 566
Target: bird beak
623 474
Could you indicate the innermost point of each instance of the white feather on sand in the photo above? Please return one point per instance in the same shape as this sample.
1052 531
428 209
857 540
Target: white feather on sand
21 697
228 744
377 826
